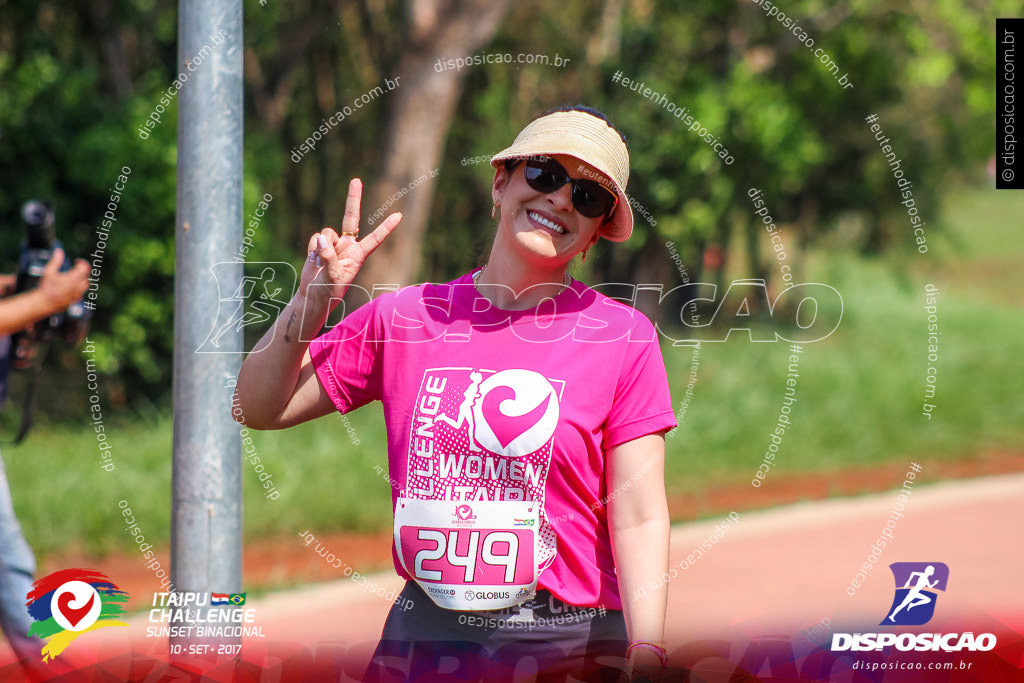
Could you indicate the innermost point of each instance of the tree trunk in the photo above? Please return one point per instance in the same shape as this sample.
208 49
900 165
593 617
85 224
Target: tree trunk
110 49
419 114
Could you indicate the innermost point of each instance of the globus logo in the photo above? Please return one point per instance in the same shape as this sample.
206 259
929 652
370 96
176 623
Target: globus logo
487 595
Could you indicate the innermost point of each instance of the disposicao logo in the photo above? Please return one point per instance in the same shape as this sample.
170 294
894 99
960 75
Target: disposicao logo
914 605
71 602
916 586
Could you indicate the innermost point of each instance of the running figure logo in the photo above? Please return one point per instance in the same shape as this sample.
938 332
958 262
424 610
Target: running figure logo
916 583
256 300
471 394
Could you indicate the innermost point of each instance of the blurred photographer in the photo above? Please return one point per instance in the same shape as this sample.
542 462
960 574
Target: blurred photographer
56 291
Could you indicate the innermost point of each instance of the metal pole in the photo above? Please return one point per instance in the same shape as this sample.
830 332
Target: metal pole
206 523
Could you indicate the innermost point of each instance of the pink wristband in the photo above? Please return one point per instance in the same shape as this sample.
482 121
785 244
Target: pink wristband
653 647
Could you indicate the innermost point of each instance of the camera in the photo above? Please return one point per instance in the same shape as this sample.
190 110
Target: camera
69 325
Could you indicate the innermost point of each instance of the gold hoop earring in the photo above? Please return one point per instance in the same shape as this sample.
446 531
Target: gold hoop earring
494 208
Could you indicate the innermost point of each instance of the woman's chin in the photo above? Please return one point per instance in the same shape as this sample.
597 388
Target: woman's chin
540 246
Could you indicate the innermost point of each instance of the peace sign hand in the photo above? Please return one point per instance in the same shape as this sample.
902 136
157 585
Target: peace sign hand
334 260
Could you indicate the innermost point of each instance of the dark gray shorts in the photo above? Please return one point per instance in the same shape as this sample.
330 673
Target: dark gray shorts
545 637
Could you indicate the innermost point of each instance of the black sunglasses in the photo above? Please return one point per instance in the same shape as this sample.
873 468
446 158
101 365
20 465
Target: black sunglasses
589 197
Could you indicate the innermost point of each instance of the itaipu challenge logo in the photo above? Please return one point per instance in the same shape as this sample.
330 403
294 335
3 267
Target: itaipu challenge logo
916 586
71 602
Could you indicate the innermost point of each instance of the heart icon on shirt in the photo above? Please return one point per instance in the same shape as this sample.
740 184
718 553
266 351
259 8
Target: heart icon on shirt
517 412
508 427
465 512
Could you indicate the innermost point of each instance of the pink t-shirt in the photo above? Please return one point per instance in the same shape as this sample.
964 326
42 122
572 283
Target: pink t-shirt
486 404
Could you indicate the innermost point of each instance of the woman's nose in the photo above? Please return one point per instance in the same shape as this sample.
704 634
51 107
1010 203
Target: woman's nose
562 197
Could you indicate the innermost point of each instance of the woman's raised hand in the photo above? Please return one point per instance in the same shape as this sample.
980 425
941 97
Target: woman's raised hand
333 260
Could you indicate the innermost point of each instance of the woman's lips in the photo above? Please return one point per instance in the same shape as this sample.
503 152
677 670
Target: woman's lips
546 222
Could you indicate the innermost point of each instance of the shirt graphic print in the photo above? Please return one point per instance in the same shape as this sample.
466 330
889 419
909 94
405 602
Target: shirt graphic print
484 439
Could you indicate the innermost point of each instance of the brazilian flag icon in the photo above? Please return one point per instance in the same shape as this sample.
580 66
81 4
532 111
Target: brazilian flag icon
237 598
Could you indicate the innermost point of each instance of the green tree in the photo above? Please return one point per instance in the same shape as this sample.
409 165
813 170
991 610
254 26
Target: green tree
76 83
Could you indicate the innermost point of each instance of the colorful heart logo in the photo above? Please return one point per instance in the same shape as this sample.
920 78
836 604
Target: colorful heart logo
72 614
75 605
69 602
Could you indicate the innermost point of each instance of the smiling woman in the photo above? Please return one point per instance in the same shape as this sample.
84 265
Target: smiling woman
525 424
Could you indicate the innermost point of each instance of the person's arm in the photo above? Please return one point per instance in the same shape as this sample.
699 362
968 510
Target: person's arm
56 291
639 526
277 386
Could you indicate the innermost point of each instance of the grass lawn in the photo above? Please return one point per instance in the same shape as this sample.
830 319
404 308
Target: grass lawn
859 402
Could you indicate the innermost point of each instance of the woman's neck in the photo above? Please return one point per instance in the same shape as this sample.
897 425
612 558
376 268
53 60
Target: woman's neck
517 287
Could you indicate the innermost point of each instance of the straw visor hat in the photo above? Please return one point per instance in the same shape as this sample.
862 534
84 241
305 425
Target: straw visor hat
589 139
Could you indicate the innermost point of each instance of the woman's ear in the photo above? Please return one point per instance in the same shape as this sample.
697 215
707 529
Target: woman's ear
501 178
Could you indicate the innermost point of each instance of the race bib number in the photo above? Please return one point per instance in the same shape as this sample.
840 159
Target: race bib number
469 556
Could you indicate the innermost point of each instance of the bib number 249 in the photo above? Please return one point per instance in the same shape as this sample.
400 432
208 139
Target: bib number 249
470 556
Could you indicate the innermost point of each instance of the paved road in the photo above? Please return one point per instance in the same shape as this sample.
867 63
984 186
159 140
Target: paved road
777 569
774 572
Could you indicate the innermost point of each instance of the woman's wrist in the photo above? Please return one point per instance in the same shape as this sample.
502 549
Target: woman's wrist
637 647
304 316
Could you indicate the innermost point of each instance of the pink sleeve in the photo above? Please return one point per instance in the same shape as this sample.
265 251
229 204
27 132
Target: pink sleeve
348 361
642 403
